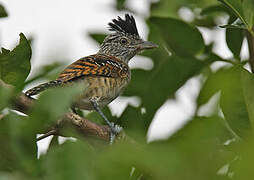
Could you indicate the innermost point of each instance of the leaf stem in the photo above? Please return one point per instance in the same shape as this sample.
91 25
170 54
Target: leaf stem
228 61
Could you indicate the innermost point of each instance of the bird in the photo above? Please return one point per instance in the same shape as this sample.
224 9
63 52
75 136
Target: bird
106 72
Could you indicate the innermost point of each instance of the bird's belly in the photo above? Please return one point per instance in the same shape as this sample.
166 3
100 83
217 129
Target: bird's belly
103 89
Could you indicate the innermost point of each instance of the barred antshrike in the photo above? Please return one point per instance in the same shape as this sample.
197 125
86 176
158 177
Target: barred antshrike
106 73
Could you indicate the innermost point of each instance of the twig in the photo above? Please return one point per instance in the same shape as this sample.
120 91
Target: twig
49 133
83 126
23 104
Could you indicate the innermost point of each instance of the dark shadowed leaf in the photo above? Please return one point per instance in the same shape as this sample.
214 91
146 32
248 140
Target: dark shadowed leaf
15 65
98 37
234 39
133 122
182 38
3 13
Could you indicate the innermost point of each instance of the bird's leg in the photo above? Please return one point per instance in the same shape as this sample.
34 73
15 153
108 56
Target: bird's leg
73 109
114 129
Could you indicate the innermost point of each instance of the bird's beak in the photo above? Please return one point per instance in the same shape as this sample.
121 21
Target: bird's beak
147 45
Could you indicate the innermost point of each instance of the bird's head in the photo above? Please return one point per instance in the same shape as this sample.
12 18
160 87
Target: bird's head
125 42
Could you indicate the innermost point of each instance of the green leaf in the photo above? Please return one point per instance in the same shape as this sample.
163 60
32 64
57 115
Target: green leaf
179 36
3 13
21 143
166 8
15 65
156 86
98 37
248 9
5 96
234 39
52 104
242 167
211 85
45 71
248 89
199 142
8 157
244 10
133 123
236 7
233 100
96 117
120 4
236 86
70 161
214 9
237 24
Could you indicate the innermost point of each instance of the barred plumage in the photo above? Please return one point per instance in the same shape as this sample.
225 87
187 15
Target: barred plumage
106 72
42 87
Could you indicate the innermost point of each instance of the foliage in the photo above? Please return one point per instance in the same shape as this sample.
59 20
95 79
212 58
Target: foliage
3 12
15 65
217 145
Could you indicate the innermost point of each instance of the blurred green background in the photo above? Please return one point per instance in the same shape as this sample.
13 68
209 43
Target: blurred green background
213 144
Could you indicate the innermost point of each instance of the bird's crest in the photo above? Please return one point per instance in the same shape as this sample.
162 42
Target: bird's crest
126 26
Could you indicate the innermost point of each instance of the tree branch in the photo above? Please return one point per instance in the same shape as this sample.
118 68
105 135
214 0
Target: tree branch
85 127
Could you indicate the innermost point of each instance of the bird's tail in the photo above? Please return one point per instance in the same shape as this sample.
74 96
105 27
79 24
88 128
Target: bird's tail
42 87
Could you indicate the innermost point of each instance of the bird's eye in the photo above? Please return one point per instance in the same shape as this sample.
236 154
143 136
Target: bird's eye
124 41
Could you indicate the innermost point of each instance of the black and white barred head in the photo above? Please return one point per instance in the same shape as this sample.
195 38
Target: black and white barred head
127 26
123 43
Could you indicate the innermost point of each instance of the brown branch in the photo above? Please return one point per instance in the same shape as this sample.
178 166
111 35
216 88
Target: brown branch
85 127
22 103
47 134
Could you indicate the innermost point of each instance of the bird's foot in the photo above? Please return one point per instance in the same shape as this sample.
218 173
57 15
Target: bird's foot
114 131
74 110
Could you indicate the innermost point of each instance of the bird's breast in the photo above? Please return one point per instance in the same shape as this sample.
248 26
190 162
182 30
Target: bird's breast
104 89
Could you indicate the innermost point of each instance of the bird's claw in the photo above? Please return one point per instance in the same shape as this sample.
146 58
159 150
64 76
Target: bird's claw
114 131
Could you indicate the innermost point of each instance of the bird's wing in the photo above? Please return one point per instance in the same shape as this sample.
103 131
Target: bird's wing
90 66
94 65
